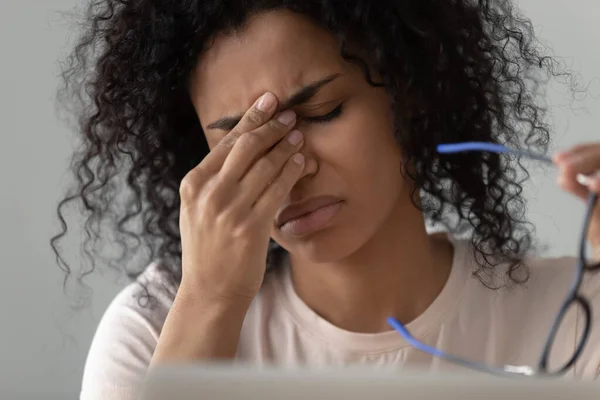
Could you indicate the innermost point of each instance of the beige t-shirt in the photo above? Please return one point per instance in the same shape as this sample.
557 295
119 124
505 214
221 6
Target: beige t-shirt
506 326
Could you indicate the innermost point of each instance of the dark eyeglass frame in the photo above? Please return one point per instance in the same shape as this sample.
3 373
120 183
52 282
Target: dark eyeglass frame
574 297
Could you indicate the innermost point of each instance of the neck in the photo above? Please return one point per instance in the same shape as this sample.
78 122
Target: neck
399 272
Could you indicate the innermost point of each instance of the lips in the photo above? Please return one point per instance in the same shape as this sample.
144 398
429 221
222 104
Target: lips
306 207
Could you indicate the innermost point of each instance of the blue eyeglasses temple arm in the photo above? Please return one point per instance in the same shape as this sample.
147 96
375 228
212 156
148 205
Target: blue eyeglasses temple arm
490 147
507 370
394 323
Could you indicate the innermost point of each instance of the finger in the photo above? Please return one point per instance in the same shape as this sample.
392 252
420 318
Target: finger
252 145
568 182
587 163
594 185
275 194
592 182
580 159
577 149
261 111
268 167
257 115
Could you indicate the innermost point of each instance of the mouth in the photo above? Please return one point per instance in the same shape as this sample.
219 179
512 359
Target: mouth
309 216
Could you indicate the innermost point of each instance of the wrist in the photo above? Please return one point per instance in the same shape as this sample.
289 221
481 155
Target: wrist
191 296
200 327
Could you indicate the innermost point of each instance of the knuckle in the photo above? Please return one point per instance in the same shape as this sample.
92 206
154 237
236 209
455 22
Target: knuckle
251 140
255 117
207 201
229 140
238 227
278 188
212 200
278 126
267 166
223 218
242 232
193 182
226 219
187 190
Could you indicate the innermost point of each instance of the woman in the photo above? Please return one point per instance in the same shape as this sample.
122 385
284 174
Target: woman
315 124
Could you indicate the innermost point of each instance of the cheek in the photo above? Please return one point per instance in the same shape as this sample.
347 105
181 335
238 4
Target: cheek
212 140
368 160
361 145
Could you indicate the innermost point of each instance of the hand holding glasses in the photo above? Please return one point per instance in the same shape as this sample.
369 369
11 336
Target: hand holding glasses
574 296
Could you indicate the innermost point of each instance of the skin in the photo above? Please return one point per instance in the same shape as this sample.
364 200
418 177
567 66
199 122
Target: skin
376 259
355 266
582 159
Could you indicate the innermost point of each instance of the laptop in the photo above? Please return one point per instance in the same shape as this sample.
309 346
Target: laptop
227 383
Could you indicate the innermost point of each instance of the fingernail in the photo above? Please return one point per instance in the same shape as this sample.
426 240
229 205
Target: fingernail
295 137
287 117
266 101
583 179
591 181
298 158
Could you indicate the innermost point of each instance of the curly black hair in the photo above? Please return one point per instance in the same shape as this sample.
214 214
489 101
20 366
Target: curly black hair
455 70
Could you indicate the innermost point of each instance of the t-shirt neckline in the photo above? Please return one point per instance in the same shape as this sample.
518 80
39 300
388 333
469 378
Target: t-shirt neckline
442 308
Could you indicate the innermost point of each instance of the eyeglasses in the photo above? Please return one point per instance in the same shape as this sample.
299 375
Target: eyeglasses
574 297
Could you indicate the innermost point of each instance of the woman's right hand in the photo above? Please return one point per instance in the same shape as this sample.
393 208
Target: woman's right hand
229 202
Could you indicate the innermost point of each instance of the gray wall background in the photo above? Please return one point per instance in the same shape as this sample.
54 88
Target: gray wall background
42 343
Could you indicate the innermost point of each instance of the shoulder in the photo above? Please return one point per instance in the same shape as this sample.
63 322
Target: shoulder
126 337
546 283
556 276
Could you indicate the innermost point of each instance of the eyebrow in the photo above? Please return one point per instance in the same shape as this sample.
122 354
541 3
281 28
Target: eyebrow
300 97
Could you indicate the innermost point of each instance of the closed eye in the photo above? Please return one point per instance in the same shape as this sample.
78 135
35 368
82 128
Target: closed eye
327 117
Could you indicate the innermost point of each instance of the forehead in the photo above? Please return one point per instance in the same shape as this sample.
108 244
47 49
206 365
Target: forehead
275 51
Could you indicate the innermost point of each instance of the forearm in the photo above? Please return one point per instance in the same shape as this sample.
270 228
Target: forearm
197 330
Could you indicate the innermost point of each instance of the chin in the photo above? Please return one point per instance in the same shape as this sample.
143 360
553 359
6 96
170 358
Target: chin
326 246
